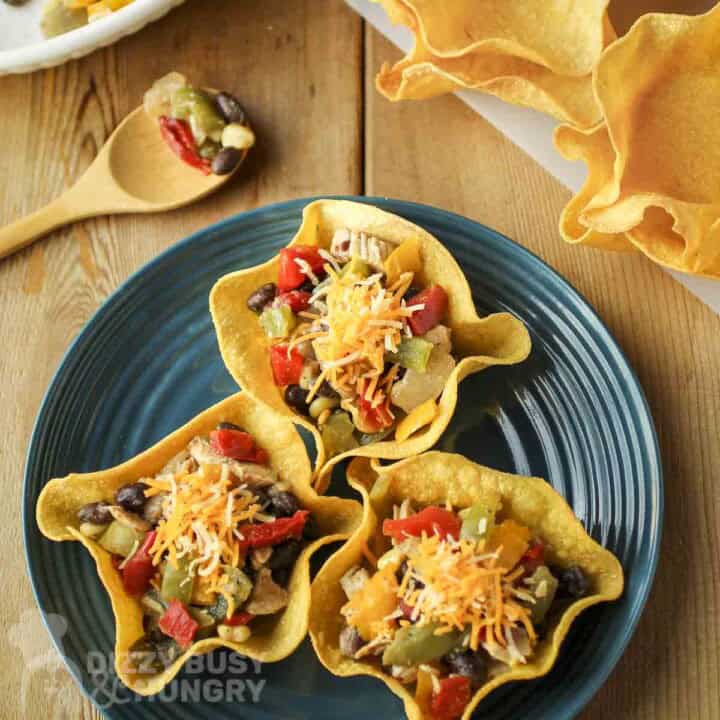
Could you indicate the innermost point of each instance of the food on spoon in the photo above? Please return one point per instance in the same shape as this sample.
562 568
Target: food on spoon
203 540
360 329
460 578
61 16
206 130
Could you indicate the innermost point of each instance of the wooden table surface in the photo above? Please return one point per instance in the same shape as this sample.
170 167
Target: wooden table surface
305 72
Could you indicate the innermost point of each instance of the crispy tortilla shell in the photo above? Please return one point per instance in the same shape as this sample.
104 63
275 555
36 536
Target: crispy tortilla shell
273 638
478 343
654 161
529 52
434 478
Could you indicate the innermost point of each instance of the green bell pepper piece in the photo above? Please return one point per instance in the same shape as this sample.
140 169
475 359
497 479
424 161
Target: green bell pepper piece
356 266
477 522
370 438
177 582
189 102
543 585
416 644
240 585
413 354
338 434
219 609
120 539
278 322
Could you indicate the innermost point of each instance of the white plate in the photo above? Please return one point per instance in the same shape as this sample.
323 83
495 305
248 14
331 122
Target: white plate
23 48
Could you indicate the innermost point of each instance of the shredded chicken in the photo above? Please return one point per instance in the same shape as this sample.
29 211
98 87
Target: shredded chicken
180 463
354 580
267 597
260 557
374 647
129 519
347 244
406 675
440 337
414 388
254 475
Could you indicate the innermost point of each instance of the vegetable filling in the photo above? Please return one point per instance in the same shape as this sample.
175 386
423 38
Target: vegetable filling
206 130
208 544
355 343
459 596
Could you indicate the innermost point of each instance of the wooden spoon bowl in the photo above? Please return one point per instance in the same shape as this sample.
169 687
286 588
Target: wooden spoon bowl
135 171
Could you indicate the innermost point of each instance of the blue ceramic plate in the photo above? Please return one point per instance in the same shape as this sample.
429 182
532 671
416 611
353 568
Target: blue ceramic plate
148 361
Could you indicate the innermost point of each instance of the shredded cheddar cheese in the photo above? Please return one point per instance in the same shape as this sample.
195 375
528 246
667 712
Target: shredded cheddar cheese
364 321
462 586
200 518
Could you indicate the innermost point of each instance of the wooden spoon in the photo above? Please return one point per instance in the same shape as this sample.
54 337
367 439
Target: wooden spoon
135 171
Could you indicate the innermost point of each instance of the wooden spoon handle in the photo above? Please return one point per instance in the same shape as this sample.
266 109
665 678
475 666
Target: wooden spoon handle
21 233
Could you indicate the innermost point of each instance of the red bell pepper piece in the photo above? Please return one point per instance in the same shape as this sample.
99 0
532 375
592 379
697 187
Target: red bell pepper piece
374 418
451 698
290 276
286 367
533 558
178 624
139 568
272 533
405 609
431 520
297 300
239 618
435 300
259 456
178 135
234 444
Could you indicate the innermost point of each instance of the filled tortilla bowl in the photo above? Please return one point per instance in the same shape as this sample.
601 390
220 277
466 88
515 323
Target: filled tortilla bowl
361 329
460 579
202 541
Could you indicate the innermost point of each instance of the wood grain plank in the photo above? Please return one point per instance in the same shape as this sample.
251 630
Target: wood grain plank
296 67
440 153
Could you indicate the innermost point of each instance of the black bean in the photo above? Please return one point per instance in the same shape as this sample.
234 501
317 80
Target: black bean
573 582
326 390
261 297
307 286
296 397
350 641
230 108
97 513
262 498
132 497
226 161
401 571
229 426
411 292
470 664
281 576
285 554
17 3
153 653
312 531
283 504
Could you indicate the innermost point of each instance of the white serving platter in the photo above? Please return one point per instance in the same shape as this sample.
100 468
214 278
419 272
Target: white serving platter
23 48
